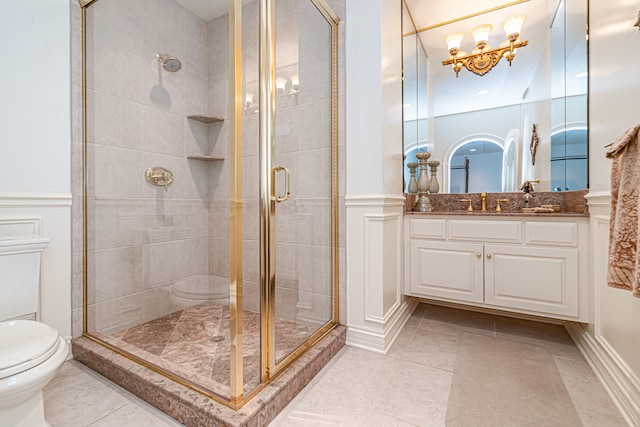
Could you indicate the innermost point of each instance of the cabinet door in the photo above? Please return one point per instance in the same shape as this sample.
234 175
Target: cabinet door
447 270
540 279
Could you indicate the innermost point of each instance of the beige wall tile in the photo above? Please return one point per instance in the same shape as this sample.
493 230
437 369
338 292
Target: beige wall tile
314 124
162 132
219 256
163 263
117 72
315 75
313 309
114 273
116 314
114 222
119 122
196 136
163 28
159 302
116 171
118 23
219 218
196 252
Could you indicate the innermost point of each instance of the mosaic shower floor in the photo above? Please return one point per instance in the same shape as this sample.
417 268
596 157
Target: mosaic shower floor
194 344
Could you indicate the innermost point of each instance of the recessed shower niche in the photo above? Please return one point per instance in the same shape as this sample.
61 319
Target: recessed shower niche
227 277
208 138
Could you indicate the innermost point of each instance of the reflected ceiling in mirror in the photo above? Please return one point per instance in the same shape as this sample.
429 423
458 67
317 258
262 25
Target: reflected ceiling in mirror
506 84
505 102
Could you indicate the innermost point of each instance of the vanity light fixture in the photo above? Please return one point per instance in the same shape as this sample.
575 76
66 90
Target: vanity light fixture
482 59
288 88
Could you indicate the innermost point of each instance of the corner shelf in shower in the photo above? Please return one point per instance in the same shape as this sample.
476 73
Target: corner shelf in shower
206 119
205 158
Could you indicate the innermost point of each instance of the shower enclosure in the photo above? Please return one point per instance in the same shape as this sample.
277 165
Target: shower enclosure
210 186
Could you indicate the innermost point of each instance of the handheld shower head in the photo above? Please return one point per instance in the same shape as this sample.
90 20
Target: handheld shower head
169 63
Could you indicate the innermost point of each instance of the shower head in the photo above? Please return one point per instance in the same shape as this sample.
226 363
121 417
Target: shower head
169 63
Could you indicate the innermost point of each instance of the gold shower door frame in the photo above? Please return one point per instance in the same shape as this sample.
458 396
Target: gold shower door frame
269 367
267 205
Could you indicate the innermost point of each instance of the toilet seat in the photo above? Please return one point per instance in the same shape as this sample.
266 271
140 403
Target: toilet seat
25 344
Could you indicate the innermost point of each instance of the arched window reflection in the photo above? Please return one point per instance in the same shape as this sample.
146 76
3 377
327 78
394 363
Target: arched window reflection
475 167
569 160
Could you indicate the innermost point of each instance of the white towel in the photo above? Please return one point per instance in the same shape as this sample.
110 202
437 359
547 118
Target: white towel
624 254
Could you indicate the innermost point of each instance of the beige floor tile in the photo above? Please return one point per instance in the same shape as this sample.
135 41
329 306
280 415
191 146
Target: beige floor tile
313 419
408 387
554 337
350 384
377 419
506 382
413 322
426 347
592 402
136 414
452 321
79 397
416 394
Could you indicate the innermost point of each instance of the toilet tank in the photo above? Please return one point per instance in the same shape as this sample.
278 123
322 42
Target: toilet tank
20 275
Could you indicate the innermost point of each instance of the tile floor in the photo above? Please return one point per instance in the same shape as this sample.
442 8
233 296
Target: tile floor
408 387
194 343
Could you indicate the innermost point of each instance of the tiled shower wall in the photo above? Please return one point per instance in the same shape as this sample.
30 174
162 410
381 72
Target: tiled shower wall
159 238
143 240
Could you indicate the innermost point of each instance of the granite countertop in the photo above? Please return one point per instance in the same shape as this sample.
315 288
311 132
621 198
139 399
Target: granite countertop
501 214
569 204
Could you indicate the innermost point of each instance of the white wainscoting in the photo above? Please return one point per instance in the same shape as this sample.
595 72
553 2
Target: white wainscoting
376 307
48 215
605 343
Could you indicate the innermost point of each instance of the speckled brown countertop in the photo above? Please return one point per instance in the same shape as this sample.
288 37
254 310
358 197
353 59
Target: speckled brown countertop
572 204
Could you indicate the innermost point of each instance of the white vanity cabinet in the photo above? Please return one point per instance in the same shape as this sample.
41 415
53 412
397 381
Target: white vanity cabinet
528 265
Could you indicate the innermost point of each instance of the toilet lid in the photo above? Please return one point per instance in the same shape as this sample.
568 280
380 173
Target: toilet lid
24 344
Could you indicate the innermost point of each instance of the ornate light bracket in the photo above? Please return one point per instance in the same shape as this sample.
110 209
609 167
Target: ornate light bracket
482 62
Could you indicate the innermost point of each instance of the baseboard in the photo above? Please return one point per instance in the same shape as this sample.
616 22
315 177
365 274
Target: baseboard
615 376
68 341
381 342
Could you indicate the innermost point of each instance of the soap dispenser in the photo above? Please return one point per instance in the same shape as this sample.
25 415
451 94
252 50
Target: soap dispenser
527 189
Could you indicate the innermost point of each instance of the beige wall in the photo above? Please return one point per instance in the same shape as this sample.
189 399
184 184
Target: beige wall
35 190
614 94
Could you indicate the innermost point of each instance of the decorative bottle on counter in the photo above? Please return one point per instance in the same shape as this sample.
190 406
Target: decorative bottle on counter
413 184
423 204
434 187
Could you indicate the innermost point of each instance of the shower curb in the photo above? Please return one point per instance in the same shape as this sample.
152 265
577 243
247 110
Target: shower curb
194 409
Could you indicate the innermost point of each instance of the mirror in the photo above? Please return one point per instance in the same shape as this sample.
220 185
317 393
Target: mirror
481 127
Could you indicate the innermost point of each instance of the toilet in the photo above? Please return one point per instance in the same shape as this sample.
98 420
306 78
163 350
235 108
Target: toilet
30 352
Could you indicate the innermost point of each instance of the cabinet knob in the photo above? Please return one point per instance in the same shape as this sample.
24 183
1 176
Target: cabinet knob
478 255
488 256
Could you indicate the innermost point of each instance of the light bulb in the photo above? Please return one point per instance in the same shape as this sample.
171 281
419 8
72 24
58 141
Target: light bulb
295 82
281 82
454 41
513 26
481 35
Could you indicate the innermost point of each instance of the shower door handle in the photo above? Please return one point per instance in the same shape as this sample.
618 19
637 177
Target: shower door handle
286 183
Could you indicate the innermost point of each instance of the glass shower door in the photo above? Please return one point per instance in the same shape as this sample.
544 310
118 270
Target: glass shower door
303 174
